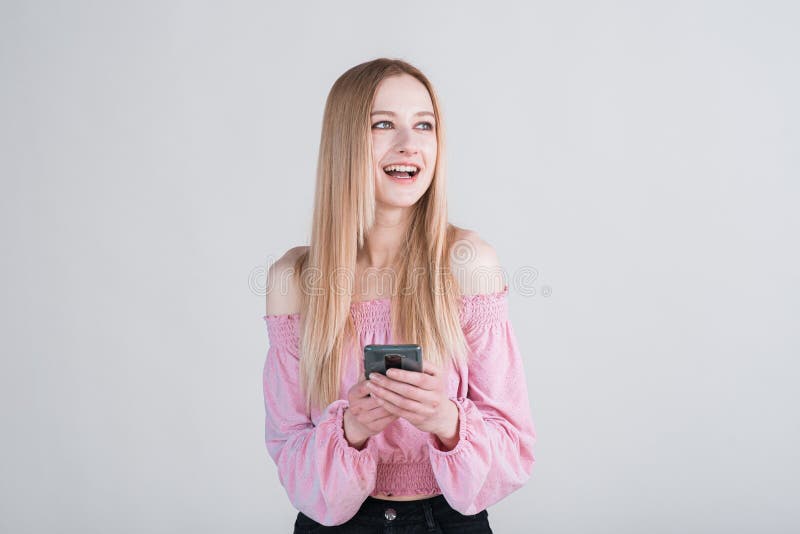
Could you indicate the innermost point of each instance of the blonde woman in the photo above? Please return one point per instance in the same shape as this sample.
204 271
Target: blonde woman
412 451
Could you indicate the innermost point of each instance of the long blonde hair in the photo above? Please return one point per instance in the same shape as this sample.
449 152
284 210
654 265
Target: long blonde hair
426 310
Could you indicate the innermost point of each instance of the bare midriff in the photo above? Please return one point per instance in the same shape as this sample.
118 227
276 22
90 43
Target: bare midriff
390 497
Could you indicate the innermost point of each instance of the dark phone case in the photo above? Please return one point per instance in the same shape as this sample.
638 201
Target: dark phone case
378 358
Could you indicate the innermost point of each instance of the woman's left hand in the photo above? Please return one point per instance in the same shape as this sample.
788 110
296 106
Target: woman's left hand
419 397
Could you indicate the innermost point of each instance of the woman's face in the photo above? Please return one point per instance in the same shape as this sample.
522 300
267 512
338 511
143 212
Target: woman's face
403 132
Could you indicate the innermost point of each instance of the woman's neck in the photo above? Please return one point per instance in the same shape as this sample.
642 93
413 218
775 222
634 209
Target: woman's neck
385 239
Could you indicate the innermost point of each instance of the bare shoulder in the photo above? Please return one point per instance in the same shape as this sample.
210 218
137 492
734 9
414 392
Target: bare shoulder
475 264
283 290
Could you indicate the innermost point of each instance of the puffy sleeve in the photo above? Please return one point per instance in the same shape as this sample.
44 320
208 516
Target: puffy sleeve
324 477
494 453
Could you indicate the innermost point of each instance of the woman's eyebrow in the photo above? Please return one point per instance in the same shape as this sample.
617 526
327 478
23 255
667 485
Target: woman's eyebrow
378 112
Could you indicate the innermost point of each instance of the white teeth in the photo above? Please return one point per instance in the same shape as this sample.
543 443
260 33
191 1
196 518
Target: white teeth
401 168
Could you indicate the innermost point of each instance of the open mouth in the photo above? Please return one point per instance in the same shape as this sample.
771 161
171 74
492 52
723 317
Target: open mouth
401 171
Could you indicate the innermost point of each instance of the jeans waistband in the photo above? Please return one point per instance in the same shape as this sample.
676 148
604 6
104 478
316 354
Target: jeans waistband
373 506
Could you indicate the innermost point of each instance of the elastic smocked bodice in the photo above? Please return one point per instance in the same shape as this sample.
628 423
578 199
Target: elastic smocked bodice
369 315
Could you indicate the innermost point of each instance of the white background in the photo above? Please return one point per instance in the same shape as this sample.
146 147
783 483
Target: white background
641 157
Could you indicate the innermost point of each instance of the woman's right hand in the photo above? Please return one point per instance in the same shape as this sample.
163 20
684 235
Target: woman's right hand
364 417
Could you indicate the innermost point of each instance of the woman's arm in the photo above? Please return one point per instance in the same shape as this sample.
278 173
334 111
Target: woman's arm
324 476
493 455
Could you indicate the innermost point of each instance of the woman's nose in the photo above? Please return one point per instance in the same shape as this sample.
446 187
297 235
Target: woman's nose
406 142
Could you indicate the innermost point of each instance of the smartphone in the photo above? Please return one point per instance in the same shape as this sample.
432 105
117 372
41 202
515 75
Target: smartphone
379 358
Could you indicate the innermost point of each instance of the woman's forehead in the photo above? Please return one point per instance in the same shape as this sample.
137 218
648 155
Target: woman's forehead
402 94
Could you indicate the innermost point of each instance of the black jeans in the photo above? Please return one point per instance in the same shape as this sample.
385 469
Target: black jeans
375 516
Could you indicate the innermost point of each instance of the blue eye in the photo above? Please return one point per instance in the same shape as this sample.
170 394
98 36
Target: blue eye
428 125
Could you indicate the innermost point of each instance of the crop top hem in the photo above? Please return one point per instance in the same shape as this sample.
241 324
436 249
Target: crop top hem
411 478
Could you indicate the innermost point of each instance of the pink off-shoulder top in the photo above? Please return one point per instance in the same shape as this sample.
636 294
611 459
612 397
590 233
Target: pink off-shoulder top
328 480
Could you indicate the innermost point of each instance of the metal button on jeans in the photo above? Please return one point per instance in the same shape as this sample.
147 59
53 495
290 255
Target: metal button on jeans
390 514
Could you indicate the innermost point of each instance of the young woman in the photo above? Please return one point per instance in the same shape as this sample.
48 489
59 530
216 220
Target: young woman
419 451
